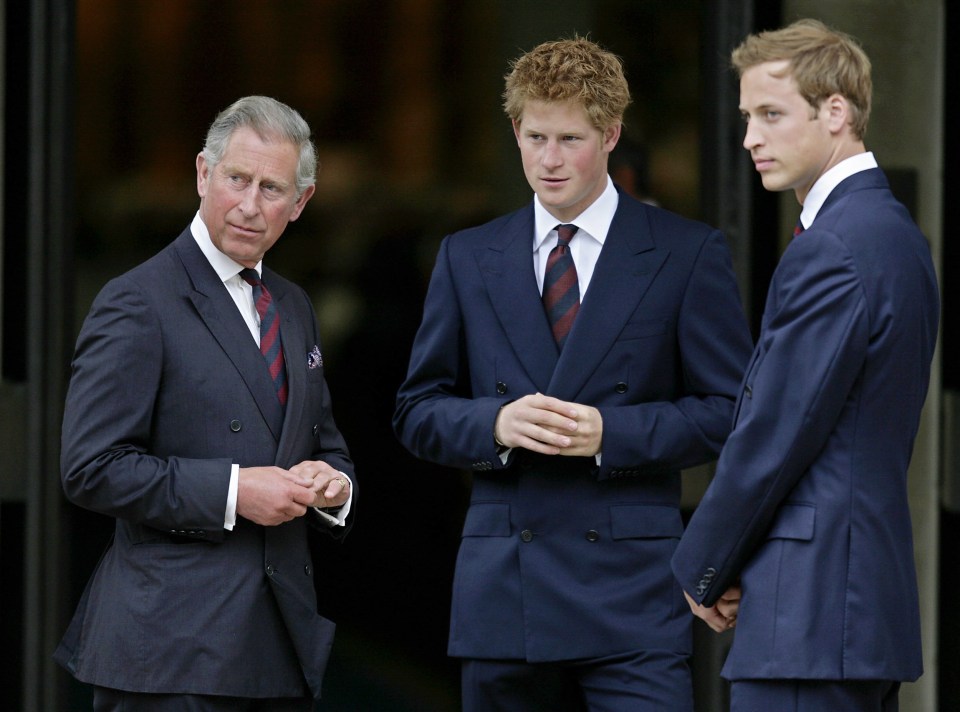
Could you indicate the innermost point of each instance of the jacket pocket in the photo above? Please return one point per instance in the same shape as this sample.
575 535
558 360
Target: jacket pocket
794 521
487 519
642 329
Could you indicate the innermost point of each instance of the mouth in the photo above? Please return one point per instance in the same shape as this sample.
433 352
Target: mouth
244 231
553 181
762 164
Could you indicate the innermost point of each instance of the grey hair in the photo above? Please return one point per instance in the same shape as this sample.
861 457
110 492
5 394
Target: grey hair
270 119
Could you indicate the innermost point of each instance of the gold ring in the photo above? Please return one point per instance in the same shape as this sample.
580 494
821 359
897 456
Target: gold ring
343 482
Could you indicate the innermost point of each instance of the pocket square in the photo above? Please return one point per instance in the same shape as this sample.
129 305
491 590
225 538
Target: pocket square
314 359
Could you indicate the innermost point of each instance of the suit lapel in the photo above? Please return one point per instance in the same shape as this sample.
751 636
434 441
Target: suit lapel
626 268
506 266
220 315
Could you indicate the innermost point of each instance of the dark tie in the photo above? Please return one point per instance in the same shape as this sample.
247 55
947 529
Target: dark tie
270 345
798 228
561 292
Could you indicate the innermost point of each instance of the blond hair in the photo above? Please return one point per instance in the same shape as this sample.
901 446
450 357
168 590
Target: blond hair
822 61
572 69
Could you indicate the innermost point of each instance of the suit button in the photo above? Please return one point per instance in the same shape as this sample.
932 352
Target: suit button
621 387
316 431
307 570
235 425
593 535
526 535
270 570
501 388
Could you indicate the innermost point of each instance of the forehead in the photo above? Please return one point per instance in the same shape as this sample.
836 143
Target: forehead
768 83
246 150
556 114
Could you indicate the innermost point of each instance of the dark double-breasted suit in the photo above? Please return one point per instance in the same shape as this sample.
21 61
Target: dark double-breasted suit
168 390
809 505
562 558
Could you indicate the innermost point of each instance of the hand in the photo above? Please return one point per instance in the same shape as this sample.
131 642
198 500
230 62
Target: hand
729 604
271 495
549 426
330 486
585 441
712 615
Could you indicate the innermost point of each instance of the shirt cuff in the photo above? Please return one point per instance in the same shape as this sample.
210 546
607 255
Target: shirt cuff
230 516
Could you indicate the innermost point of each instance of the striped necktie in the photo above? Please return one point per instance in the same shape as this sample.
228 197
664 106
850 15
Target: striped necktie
270 345
561 291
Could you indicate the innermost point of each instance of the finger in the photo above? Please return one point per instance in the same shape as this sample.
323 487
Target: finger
339 485
303 497
554 405
728 609
296 477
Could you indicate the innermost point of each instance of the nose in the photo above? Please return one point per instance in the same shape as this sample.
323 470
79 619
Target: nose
751 136
250 201
552 157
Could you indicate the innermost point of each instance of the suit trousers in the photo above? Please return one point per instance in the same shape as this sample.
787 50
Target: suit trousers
814 696
653 681
106 699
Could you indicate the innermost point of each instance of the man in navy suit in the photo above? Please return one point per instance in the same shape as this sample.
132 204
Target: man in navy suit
576 427
803 539
215 464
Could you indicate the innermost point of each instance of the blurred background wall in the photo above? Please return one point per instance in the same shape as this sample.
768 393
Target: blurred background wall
106 103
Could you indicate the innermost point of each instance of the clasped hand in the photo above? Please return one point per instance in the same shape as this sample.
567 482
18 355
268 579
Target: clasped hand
722 615
272 495
550 426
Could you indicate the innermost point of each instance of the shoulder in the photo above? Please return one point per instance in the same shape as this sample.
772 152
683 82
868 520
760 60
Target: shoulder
154 276
665 227
863 199
493 231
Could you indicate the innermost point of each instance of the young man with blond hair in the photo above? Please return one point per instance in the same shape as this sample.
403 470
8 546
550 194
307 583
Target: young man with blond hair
803 540
574 355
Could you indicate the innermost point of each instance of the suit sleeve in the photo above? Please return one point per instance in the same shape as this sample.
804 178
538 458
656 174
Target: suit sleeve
105 464
436 418
812 349
714 345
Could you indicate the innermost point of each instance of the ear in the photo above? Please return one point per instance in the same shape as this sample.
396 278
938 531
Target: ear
838 112
611 135
302 202
516 129
203 175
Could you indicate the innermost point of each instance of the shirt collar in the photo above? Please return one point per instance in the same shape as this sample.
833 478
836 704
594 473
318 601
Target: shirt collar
831 179
594 221
224 266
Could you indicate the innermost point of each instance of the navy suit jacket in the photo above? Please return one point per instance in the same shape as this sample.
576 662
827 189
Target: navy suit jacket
560 558
168 390
809 503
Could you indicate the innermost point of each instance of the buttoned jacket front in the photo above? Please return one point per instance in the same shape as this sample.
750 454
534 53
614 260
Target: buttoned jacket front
562 557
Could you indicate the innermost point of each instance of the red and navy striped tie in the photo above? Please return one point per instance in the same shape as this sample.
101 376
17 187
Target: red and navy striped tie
798 228
561 291
270 345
